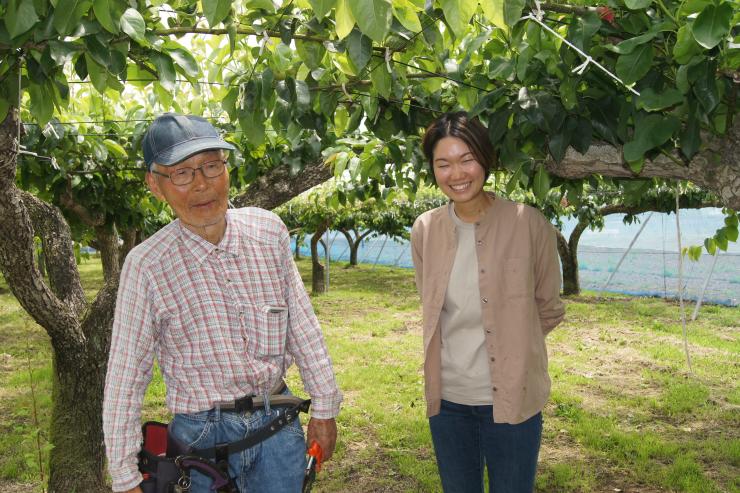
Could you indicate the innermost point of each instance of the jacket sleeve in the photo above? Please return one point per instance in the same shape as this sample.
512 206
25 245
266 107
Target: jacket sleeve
547 276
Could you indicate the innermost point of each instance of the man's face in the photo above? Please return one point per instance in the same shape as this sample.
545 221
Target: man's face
202 202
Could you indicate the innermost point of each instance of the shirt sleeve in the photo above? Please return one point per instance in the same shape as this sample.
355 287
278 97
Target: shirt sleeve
416 257
547 276
305 341
129 373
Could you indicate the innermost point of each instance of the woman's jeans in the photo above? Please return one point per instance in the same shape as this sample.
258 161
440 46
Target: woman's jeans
466 438
274 465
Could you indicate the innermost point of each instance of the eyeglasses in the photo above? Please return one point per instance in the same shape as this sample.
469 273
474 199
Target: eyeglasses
184 176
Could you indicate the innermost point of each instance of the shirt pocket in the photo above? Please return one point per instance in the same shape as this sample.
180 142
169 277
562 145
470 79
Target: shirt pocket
518 277
270 328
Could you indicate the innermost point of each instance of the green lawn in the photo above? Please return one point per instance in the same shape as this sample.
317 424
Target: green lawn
625 414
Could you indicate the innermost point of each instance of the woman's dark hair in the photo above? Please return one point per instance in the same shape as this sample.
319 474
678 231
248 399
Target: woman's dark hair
469 130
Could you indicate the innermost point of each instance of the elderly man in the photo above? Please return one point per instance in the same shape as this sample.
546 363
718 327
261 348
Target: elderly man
216 297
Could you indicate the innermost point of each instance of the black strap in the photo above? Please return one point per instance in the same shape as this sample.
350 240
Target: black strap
276 424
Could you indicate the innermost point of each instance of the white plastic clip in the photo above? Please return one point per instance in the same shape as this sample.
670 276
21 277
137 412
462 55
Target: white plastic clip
388 59
582 67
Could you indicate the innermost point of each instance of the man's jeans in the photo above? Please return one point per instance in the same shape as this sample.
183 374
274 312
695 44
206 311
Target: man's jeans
466 439
274 465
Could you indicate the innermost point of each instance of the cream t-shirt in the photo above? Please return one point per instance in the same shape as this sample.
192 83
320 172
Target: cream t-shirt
466 377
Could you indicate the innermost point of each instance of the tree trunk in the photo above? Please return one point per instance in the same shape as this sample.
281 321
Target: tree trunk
569 263
107 243
131 238
318 286
77 459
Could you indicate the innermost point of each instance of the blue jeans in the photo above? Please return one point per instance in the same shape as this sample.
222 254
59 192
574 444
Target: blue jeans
275 465
466 440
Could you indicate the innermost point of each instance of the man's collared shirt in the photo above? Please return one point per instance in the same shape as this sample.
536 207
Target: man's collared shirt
223 321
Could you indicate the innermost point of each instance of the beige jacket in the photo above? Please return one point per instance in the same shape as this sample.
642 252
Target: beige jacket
519 280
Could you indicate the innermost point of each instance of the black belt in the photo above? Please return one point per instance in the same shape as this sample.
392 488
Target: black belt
250 403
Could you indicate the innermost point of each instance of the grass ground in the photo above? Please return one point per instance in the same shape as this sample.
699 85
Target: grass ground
625 413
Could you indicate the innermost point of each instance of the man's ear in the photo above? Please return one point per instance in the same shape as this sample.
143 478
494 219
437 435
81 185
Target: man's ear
151 180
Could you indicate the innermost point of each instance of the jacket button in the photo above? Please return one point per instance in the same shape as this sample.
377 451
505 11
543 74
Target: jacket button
483 271
495 389
485 300
479 242
493 359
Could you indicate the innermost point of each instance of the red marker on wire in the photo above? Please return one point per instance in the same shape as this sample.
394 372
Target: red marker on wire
313 465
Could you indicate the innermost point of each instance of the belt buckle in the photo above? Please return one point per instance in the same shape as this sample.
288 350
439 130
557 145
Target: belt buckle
244 404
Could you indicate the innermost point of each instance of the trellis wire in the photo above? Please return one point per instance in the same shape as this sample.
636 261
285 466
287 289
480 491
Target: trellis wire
644 223
680 281
704 288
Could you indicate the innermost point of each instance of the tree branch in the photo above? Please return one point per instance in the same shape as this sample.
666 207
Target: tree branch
715 168
49 224
279 186
83 214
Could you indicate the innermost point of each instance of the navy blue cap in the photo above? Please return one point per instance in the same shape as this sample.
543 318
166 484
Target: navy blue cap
172 138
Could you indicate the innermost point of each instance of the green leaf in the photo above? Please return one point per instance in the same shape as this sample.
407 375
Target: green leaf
705 88
359 49
710 245
344 19
650 132
216 10
458 14
649 100
97 50
712 24
185 60
19 17
405 12
341 118
373 17
66 16
132 23
260 4
253 127
628 45
311 53
328 103
720 238
634 66
302 95
732 221
98 75
690 137
636 166
686 46
42 107
503 13
731 233
101 8
115 148
382 81
637 4
165 69
321 7
541 184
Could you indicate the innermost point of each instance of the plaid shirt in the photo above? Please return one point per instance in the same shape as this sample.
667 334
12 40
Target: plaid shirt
223 320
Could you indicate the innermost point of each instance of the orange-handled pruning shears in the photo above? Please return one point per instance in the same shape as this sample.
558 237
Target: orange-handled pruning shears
315 455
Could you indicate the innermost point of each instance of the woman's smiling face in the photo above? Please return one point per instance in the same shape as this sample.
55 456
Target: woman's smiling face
457 171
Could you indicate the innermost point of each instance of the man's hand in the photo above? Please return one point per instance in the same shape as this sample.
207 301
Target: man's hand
324 431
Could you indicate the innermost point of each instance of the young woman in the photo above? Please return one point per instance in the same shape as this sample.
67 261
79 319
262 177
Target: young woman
488 275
